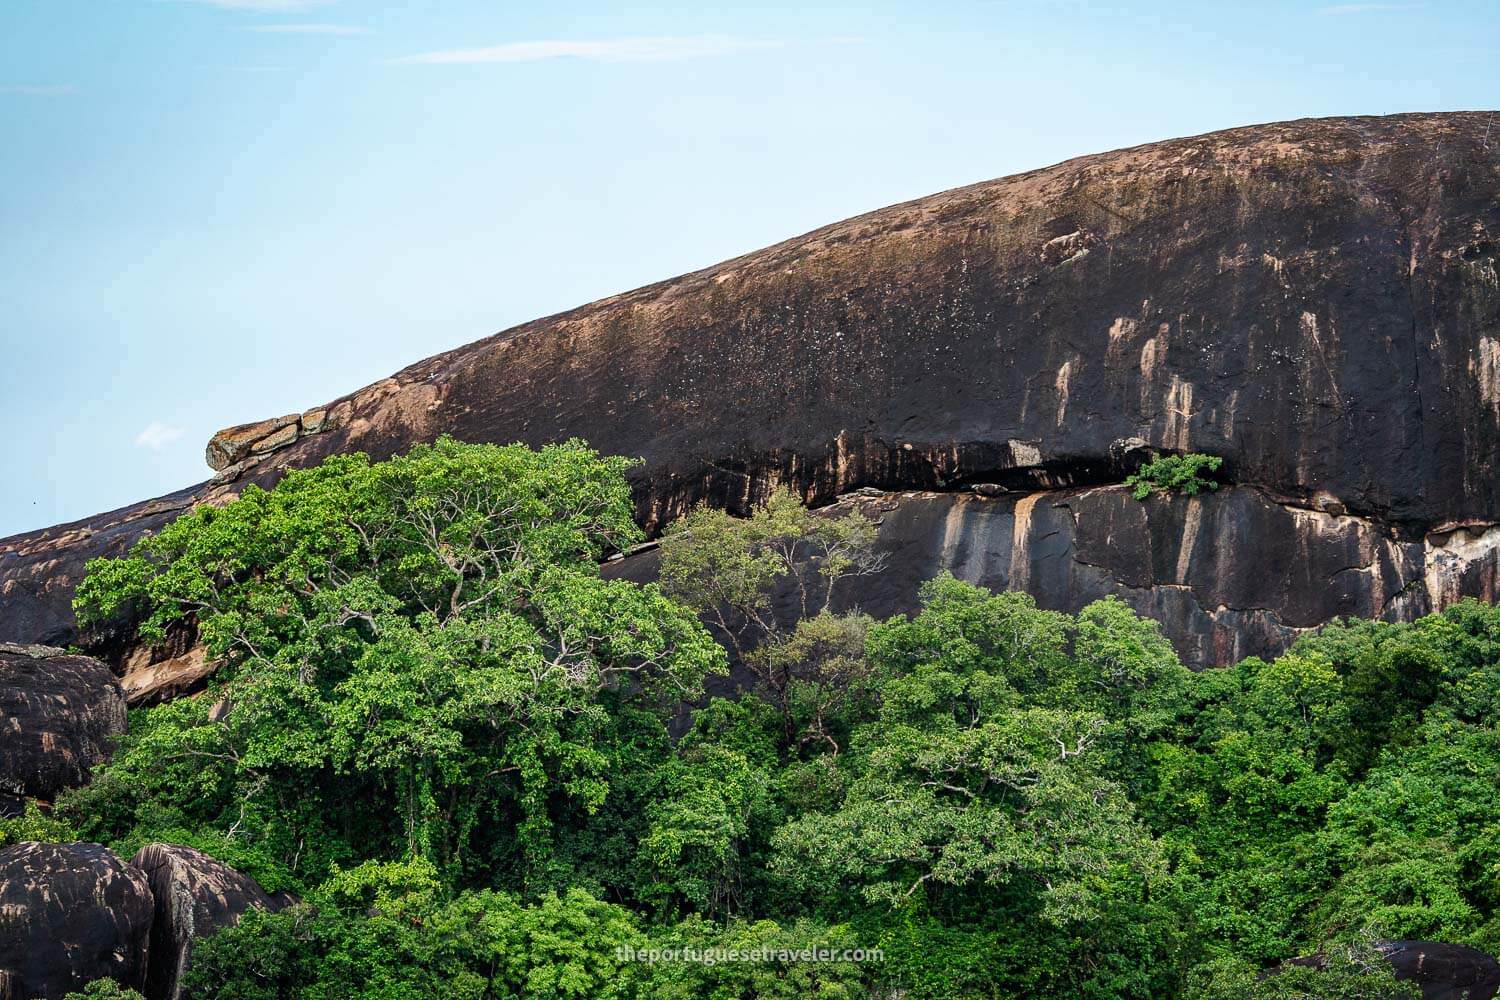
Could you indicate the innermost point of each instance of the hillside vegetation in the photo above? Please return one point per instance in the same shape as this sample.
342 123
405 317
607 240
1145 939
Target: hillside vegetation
468 754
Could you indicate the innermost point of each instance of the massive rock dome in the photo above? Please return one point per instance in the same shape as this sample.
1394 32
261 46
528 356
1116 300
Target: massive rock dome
1315 301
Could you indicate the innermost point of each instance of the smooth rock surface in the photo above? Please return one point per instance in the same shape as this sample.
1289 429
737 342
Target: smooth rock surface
194 896
1316 301
157 672
40 570
150 682
59 716
70 914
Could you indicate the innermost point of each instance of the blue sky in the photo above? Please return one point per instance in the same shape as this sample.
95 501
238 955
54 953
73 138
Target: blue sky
213 211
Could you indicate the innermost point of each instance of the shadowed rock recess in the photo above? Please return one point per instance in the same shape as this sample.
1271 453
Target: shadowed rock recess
1315 301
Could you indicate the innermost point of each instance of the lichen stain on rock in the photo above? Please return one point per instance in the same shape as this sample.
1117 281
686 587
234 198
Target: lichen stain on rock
1484 366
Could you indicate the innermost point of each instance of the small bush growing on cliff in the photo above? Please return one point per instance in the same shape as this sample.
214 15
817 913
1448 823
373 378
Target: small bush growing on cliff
1175 474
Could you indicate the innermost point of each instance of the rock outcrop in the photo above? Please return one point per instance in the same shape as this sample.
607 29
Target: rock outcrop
1439 971
195 896
39 570
73 913
59 716
1228 574
1316 301
157 672
1444 971
70 914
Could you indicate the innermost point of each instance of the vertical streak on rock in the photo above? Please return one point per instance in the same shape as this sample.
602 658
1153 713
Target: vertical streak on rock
1375 579
953 533
1484 366
1189 538
841 461
1178 414
1309 327
1020 544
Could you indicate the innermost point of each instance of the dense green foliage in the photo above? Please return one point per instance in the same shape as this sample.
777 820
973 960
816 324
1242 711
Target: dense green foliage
1175 474
423 662
453 739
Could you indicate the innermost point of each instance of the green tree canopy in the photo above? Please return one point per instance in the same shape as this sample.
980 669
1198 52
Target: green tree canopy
413 650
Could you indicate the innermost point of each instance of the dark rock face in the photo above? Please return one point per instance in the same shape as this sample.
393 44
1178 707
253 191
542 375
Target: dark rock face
1445 971
194 896
1316 301
1228 574
70 914
39 570
1441 971
59 716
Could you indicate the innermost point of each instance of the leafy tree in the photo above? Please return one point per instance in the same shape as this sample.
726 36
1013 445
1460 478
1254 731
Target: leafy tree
1126 668
729 568
783 974
477 945
1006 802
1391 674
960 790
34 824
1000 643
425 640
104 989
491 773
1175 474
829 684
699 842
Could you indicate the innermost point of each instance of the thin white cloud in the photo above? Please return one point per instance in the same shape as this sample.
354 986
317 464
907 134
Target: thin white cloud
308 29
38 89
649 49
263 6
157 435
1366 8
